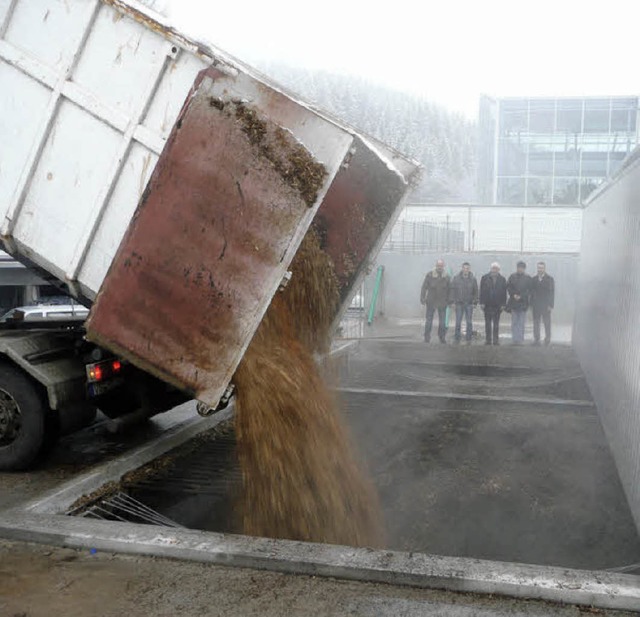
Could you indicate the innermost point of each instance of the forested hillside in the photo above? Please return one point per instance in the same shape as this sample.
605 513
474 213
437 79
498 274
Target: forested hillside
443 142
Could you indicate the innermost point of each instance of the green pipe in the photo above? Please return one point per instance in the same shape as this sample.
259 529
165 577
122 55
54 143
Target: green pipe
374 297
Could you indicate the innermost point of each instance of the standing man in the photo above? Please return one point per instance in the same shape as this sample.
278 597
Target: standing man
519 289
542 298
435 294
464 295
493 297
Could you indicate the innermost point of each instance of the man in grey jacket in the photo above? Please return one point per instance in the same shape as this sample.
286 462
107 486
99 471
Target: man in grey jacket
519 290
464 295
435 294
542 298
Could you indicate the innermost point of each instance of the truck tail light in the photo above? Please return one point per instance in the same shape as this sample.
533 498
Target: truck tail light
101 371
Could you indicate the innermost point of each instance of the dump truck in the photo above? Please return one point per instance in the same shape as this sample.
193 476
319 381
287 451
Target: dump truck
167 187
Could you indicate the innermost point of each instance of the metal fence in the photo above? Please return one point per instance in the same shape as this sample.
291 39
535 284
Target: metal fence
471 227
419 236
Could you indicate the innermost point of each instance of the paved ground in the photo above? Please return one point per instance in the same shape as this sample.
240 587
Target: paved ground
39 581
81 451
355 326
505 479
410 365
482 452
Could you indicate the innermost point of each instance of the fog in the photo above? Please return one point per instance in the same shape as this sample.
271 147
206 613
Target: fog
448 52
398 275
414 78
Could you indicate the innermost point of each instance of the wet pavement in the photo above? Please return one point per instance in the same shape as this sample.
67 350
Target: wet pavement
536 372
522 473
483 452
84 450
354 326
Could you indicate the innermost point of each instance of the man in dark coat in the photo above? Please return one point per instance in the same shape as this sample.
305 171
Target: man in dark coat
542 298
519 289
464 295
435 294
493 297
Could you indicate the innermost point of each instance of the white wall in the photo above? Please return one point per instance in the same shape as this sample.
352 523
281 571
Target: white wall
404 274
606 332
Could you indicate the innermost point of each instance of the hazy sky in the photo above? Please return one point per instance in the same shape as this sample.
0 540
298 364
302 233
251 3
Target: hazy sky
449 51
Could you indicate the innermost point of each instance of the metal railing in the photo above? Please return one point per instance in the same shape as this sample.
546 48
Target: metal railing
473 227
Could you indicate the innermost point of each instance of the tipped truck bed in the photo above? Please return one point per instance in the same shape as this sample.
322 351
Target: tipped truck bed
172 184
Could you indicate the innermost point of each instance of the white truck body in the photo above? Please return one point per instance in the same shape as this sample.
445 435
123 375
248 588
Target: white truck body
167 186
89 93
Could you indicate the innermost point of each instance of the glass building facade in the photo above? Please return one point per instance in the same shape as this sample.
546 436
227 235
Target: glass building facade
552 150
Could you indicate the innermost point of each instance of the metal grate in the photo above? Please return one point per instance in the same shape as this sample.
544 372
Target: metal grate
195 485
123 507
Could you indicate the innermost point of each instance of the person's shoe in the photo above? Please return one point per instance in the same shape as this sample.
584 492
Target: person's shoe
547 342
496 342
487 342
427 339
443 341
536 344
456 341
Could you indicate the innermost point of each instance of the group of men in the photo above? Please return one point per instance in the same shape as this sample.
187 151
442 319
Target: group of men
495 295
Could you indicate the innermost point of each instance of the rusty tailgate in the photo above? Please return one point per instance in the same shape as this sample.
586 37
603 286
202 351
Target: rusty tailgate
228 203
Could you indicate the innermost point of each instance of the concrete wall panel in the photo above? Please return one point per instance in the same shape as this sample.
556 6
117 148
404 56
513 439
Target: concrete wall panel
404 274
606 335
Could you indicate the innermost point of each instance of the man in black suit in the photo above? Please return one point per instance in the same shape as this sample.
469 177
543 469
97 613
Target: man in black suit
542 298
493 298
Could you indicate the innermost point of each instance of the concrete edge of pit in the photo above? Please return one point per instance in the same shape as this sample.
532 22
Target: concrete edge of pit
594 589
60 499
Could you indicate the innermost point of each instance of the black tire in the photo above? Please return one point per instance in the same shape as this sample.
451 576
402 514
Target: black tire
21 444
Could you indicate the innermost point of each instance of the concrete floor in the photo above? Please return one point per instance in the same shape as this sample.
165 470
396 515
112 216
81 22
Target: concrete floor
80 452
39 581
354 326
482 452
476 453
526 477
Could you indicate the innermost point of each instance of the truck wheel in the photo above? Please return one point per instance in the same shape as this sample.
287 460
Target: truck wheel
23 420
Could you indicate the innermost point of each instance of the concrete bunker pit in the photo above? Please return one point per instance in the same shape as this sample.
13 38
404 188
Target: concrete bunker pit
520 472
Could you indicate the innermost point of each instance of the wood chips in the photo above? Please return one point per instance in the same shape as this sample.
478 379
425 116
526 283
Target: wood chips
301 480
